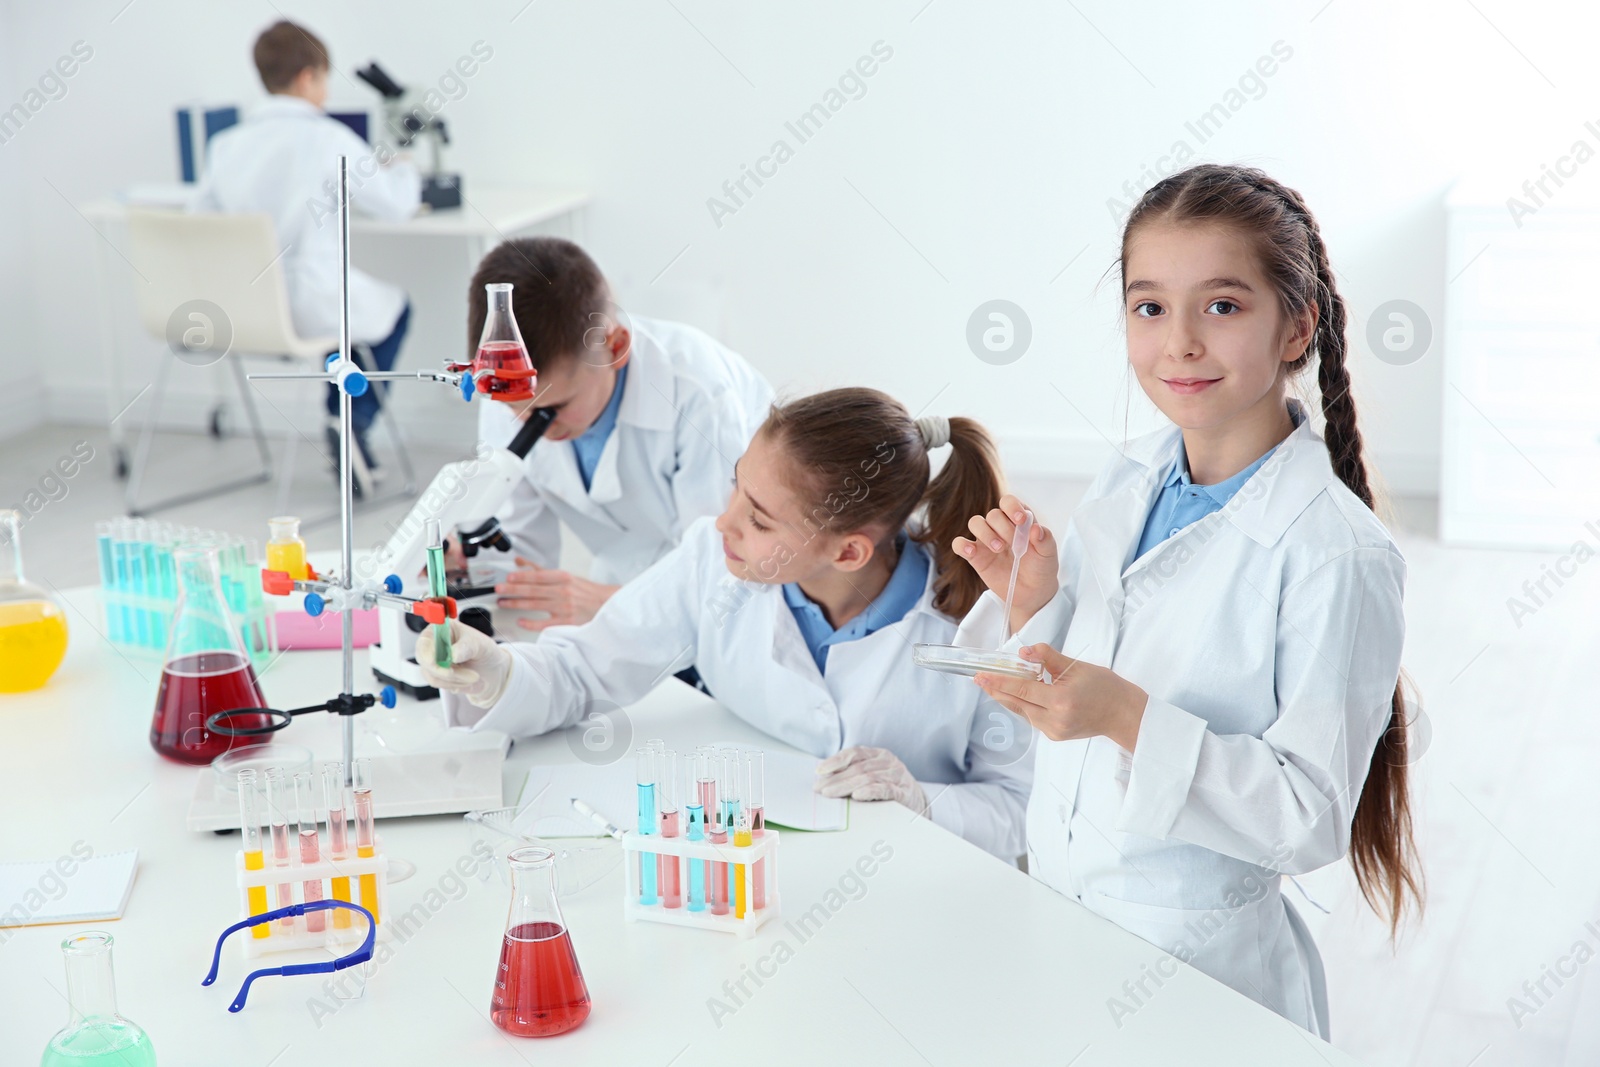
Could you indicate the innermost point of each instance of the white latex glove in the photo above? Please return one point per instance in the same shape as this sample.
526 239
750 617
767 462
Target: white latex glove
863 773
481 671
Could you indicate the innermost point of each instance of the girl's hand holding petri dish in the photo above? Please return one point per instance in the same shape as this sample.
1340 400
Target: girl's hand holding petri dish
989 552
1081 700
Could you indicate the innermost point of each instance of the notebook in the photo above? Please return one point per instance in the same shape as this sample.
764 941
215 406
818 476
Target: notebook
67 890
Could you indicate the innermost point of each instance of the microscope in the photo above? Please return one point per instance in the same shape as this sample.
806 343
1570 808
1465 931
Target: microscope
409 118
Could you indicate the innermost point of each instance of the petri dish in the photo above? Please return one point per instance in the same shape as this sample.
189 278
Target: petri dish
291 758
959 659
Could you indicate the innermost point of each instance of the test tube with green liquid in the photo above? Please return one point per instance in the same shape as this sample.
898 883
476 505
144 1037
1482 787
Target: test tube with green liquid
438 588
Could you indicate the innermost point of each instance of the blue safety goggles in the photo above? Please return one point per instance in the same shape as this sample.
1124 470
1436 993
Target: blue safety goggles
360 955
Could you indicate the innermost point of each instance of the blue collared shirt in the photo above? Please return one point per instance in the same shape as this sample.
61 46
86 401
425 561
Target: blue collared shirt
588 445
905 588
1181 502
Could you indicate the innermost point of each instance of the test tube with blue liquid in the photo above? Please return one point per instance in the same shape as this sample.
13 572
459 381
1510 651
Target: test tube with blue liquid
108 580
732 803
645 776
694 772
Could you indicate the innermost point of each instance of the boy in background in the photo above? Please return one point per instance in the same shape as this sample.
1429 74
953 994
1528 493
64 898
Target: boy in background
283 159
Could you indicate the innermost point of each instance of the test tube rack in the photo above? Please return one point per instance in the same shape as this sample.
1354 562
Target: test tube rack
295 875
763 848
139 583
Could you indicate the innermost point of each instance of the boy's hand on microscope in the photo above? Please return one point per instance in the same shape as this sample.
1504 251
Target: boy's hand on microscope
568 599
989 552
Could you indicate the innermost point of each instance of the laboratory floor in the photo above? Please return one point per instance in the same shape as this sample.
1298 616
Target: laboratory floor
1503 768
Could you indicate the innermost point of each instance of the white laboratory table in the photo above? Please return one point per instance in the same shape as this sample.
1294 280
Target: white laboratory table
943 955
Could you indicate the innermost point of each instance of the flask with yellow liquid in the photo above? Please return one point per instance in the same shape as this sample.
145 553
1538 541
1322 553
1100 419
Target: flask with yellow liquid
33 627
285 551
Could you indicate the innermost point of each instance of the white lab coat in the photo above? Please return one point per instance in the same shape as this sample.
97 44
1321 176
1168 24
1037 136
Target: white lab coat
970 755
1268 636
689 408
283 159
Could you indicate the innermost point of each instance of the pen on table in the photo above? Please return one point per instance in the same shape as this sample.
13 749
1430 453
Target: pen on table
599 820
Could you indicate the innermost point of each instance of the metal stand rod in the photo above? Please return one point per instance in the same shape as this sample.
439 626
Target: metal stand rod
334 374
346 479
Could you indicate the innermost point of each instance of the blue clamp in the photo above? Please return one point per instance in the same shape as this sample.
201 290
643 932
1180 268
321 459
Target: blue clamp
327 364
468 386
393 585
355 383
315 605
386 696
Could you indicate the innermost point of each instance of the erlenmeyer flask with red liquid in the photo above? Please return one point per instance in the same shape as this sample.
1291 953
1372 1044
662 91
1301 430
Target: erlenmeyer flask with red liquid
206 670
539 990
501 352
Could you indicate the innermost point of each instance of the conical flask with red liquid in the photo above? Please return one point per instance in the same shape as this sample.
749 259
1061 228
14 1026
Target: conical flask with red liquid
501 352
539 990
206 670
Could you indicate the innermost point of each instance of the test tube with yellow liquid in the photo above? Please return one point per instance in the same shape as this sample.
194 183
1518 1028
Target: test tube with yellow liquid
742 838
338 839
366 842
250 831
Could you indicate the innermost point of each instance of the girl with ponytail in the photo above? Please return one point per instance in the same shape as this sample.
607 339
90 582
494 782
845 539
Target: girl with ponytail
1221 619
799 606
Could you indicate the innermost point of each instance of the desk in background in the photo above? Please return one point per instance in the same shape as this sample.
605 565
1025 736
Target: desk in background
488 216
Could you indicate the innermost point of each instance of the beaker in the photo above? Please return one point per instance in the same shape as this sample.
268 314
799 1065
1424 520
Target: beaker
285 551
501 351
95 1033
33 628
539 990
206 669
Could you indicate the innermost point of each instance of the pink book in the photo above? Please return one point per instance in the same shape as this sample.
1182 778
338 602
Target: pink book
296 629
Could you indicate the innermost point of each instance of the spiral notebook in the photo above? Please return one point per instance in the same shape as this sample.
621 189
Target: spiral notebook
67 889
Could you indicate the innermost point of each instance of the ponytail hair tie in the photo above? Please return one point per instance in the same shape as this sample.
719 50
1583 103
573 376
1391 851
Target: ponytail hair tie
935 431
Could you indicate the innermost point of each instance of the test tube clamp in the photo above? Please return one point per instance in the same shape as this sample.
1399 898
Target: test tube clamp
648 846
295 875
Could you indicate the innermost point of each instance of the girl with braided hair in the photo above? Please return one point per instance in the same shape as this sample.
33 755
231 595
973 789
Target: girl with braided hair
1221 620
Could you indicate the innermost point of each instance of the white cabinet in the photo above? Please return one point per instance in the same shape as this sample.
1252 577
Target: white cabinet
1520 462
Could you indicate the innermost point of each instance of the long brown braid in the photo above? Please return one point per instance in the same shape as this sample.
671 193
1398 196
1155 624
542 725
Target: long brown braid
1275 218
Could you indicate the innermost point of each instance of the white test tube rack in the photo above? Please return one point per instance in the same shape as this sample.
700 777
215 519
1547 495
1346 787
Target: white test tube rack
295 875
763 848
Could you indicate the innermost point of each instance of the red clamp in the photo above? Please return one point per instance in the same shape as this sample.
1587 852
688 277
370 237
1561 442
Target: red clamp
276 583
435 609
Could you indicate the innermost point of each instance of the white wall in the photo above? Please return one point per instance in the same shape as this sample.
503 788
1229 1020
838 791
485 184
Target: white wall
21 394
978 163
